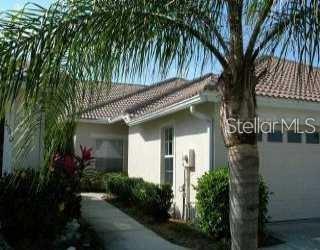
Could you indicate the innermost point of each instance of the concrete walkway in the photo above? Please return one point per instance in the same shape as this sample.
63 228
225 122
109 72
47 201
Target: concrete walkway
117 230
296 235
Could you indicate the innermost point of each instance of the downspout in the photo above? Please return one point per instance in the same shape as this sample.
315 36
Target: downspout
210 120
187 162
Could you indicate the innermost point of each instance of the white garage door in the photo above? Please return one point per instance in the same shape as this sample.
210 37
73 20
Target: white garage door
292 171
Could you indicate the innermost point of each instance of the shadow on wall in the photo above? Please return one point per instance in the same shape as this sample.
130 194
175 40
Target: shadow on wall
177 212
184 123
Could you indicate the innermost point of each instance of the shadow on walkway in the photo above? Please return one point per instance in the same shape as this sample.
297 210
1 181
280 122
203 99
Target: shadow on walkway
117 230
296 235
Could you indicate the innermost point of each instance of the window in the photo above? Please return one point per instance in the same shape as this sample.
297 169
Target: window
109 154
312 138
276 136
168 155
294 137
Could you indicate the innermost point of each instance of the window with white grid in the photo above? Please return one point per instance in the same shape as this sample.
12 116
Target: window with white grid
168 155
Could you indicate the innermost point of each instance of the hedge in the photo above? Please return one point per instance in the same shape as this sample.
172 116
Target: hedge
152 199
34 207
93 181
212 203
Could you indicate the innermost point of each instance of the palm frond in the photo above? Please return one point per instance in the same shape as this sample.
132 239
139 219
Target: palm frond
292 28
76 46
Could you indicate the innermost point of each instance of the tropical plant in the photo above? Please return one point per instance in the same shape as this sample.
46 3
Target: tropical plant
213 203
93 180
37 207
154 200
77 44
71 164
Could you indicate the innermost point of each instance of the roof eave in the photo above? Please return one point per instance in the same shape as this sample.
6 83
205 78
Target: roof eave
94 121
208 96
286 103
123 117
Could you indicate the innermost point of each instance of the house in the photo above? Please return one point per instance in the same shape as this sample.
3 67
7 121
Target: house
147 131
11 156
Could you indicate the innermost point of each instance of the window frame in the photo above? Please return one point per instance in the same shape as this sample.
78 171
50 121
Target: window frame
167 154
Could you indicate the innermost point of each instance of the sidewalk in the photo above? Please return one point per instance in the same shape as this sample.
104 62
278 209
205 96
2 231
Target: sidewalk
119 231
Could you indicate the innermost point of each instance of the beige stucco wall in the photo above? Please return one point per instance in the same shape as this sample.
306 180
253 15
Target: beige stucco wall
19 153
87 133
290 170
190 133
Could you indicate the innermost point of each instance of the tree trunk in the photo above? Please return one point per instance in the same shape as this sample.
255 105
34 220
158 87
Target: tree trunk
239 104
244 196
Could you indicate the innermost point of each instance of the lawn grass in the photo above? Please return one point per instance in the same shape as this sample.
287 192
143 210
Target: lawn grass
175 231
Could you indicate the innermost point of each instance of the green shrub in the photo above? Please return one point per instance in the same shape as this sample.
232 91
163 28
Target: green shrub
114 183
165 195
263 206
121 186
93 181
35 208
152 199
212 202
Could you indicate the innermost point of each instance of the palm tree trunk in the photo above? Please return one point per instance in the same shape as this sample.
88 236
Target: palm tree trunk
244 197
239 104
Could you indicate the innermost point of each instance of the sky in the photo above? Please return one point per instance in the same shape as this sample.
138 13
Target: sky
18 4
147 78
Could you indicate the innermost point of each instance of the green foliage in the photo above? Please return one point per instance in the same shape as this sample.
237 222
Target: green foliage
152 199
264 196
122 186
56 55
93 181
213 203
35 207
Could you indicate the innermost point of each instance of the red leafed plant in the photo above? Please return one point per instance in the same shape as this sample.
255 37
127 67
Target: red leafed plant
72 164
86 155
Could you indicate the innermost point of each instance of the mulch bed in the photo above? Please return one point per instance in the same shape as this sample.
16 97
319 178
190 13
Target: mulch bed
176 231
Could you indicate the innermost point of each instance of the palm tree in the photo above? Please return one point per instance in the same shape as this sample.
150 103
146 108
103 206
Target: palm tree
101 40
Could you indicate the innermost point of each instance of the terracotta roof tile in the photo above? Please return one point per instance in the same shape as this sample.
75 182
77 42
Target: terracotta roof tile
119 106
279 81
285 79
106 94
188 90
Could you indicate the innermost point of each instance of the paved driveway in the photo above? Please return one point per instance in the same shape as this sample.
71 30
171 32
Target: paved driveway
297 235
